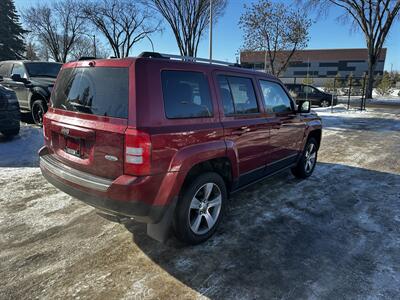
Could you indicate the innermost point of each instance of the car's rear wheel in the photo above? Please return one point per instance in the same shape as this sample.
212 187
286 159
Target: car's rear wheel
199 208
325 103
308 160
39 108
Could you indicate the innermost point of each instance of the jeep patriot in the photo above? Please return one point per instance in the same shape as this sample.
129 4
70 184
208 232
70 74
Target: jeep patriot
165 141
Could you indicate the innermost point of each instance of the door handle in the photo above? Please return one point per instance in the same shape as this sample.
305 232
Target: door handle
241 131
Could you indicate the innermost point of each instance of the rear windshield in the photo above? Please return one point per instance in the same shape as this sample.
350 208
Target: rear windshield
43 69
97 91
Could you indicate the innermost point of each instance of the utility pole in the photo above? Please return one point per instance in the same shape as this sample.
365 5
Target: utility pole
308 80
94 46
210 42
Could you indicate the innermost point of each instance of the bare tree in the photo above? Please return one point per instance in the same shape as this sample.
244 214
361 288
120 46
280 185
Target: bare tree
189 19
373 17
122 22
84 46
57 25
30 52
274 28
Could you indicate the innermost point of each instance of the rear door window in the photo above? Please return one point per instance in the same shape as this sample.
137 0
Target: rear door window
102 91
308 89
238 95
186 95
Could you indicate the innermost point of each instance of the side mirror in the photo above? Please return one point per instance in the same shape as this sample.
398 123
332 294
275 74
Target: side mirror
304 107
1 78
18 78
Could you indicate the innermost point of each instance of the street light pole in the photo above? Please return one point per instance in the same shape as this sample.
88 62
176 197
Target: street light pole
210 42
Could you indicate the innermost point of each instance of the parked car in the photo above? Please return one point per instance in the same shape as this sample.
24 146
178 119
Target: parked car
165 142
317 97
33 82
9 112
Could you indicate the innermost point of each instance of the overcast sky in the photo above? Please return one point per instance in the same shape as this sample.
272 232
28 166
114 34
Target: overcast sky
325 33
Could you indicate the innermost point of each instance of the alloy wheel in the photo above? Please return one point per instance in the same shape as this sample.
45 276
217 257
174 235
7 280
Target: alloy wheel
37 113
324 103
310 157
205 208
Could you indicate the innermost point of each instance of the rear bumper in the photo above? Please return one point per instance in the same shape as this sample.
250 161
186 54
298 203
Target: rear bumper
100 192
9 119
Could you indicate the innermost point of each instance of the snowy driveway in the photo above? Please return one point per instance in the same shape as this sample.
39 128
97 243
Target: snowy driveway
335 235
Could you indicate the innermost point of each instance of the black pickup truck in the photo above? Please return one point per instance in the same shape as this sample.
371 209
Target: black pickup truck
32 81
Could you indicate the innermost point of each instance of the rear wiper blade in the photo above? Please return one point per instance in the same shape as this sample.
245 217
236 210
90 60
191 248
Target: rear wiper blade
81 107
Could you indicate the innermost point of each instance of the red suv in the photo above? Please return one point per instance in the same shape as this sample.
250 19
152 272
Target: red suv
165 141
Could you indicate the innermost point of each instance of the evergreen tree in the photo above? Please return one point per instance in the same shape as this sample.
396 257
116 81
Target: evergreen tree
328 86
11 32
385 85
338 81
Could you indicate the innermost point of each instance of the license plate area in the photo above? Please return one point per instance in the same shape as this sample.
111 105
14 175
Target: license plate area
73 146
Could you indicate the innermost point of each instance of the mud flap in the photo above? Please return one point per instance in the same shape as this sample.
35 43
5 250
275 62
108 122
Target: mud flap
160 231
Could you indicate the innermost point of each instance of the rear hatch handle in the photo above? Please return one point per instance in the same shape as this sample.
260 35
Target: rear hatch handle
73 131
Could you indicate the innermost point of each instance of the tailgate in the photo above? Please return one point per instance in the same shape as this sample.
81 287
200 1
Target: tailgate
92 146
85 126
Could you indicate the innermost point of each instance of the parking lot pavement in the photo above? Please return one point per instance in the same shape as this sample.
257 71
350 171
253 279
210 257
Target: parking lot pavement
335 235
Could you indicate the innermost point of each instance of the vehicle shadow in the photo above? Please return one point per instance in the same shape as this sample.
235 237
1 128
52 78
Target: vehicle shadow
26 117
332 235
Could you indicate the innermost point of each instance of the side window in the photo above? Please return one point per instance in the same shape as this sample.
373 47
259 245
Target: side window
5 69
275 98
19 69
186 95
296 88
308 89
238 95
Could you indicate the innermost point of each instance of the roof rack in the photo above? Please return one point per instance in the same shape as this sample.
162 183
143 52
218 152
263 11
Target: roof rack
187 58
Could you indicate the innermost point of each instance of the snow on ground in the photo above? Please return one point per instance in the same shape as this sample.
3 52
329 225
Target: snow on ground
22 150
391 100
334 235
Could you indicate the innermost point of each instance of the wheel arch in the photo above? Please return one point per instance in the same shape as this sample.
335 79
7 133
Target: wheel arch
37 94
317 135
221 165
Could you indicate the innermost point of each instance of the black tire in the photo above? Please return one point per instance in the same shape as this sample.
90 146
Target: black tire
302 170
325 103
182 224
10 133
38 109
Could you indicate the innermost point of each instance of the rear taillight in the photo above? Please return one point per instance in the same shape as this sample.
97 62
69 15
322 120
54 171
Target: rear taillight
137 153
46 129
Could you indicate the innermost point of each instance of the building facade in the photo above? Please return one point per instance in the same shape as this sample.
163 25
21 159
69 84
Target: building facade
317 64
